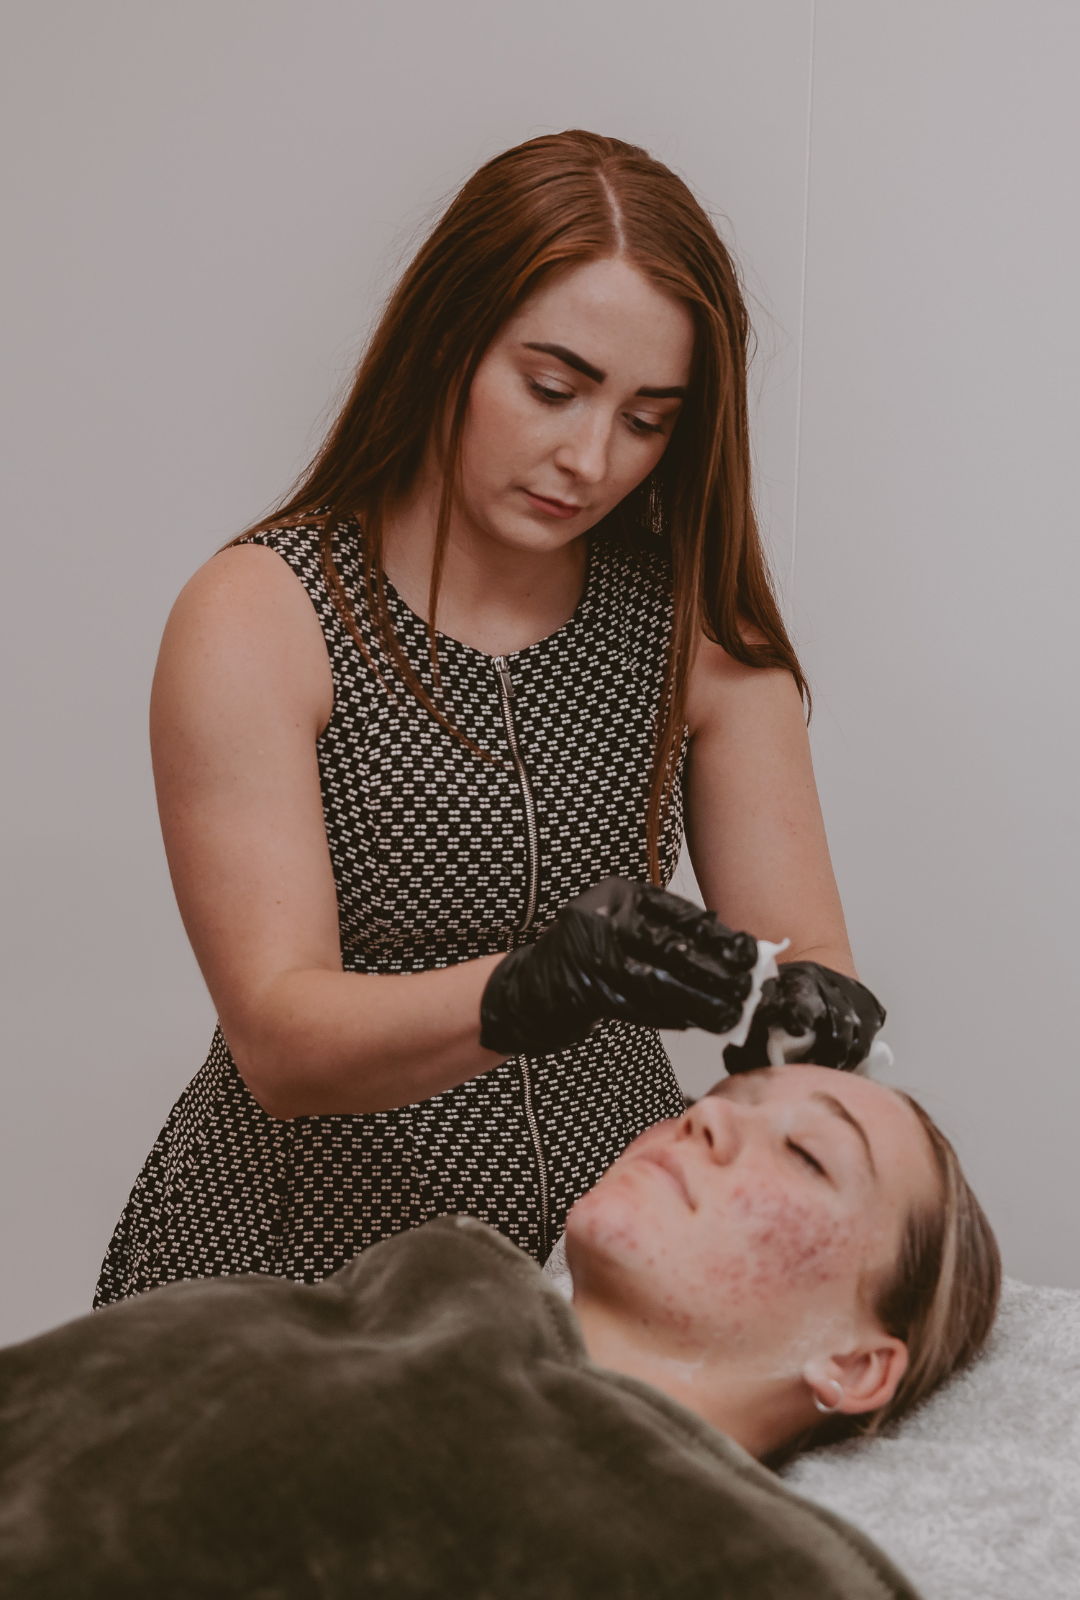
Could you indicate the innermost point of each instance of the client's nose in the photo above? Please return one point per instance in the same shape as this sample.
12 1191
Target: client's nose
718 1124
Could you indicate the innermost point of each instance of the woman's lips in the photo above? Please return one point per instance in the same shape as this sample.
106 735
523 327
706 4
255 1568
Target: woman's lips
552 508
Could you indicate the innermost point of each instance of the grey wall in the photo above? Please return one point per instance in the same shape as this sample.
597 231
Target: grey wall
206 205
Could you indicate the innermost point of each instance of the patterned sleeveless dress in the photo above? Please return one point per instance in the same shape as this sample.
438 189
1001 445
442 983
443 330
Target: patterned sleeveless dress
440 856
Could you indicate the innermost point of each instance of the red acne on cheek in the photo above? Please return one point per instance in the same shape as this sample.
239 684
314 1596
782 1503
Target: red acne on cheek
793 1243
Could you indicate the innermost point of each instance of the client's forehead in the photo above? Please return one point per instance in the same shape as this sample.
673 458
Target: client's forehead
804 1080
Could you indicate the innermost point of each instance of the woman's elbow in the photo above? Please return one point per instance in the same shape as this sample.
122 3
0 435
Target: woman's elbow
276 1070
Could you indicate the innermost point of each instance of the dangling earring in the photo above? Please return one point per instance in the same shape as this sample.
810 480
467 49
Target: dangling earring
652 506
827 1411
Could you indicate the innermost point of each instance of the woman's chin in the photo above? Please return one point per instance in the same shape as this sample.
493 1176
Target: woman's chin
511 520
610 1226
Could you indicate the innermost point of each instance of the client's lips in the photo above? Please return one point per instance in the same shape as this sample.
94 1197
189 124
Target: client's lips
669 1163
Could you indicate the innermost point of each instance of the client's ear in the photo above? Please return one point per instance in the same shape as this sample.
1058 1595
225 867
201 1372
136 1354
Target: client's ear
863 1379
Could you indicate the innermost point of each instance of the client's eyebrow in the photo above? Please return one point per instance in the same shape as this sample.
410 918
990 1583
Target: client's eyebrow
570 358
840 1110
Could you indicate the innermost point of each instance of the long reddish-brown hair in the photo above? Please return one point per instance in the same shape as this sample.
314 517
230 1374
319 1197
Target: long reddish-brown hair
536 211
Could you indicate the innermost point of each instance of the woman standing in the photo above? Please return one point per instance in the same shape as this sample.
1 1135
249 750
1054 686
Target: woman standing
546 453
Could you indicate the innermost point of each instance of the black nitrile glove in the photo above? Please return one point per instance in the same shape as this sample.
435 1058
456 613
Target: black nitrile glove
624 950
839 1014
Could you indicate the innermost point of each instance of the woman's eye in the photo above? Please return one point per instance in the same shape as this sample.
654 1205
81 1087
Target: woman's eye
550 396
639 425
805 1155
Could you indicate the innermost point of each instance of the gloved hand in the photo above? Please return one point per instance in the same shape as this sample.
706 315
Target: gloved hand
624 950
814 1014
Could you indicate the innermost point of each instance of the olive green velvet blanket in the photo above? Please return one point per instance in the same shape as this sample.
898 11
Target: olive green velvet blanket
426 1423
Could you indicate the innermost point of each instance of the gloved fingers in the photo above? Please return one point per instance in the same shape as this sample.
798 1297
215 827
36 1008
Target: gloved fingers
713 1014
841 1014
779 1014
798 999
793 1022
736 950
665 925
839 1035
700 971
862 1010
654 997
674 986
662 909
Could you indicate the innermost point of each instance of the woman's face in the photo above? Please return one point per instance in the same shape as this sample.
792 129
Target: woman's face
762 1221
573 405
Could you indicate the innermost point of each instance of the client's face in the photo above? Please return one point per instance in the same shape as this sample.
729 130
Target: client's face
761 1220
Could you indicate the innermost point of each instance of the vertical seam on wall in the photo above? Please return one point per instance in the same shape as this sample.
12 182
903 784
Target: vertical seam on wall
802 321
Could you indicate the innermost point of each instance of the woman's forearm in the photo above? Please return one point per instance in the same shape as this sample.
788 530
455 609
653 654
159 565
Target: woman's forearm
754 824
836 955
316 1043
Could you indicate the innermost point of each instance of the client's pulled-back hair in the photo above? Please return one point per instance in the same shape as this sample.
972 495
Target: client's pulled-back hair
941 1297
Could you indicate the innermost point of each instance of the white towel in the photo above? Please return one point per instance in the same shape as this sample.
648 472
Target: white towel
977 1495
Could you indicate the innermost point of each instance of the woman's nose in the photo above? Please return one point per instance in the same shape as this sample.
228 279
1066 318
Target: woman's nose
718 1124
584 451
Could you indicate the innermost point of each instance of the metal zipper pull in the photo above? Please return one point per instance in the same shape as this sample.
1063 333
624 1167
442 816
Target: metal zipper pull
502 667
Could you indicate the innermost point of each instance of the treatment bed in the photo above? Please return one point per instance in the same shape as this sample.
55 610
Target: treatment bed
977 1495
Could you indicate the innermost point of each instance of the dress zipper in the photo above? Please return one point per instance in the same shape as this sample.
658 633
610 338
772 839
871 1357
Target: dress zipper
532 847
532 837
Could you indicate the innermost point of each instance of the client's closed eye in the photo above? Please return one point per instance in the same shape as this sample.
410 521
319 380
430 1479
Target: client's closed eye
810 1160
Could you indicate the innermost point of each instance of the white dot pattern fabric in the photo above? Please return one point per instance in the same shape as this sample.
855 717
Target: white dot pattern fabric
429 849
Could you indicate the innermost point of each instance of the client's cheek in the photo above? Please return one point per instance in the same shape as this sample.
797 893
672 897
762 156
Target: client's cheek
791 1241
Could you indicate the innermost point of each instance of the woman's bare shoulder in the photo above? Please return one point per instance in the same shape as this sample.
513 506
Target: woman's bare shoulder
244 579
719 683
245 624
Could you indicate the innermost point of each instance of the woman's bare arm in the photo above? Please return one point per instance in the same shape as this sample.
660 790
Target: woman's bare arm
242 690
754 825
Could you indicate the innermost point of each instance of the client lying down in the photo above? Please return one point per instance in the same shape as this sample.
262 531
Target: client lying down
435 1420
800 1243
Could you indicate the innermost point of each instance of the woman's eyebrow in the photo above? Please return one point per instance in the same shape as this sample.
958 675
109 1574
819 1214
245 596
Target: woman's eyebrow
570 358
840 1110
